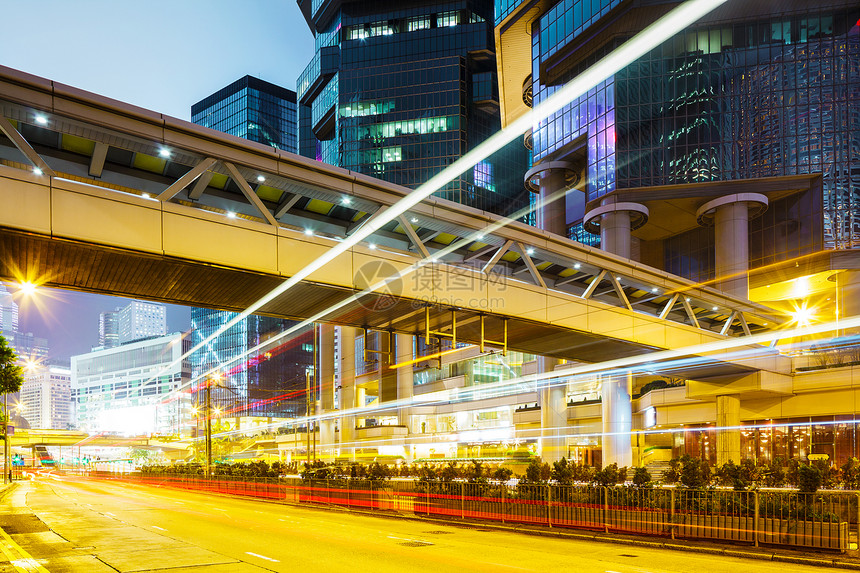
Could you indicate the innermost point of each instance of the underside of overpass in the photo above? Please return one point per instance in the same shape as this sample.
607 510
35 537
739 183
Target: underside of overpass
111 199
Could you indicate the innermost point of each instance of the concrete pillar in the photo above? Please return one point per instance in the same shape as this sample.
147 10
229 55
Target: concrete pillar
405 385
730 216
728 431
325 362
552 215
550 181
615 222
617 420
553 414
346 341
615 234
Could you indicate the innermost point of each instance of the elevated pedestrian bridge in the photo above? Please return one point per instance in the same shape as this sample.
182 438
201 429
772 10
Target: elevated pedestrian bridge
104 197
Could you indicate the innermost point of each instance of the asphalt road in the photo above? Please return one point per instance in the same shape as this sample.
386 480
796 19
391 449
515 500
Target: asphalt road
65 523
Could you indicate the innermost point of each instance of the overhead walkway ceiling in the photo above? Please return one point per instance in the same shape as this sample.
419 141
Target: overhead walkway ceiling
104 197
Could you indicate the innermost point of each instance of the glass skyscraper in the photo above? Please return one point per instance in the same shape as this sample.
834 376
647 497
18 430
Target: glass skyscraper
271 384
253 109
399 90
744 94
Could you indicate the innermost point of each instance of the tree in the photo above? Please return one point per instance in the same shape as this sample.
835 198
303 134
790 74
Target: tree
11 375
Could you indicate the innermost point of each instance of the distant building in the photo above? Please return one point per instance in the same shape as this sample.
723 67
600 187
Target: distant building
27 345
8 311
109 329
272 384
128 388
253 109
45 398
140 320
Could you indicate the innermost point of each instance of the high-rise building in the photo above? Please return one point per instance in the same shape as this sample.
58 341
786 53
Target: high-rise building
727 155
272 384
400 90
132 388
45 397
109 329
253 109
8 311
138 320
28 346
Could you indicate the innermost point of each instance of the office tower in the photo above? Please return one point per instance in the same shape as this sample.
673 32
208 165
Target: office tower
253 109
45 397
400 90
109 329
132 388
8 311
141 320
273 383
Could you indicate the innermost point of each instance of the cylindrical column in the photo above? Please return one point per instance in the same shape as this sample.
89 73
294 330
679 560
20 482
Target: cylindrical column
615 222
551 180
730 216
553 413
728 429
403 346
552 214
617 420
325 348
615 234
346 343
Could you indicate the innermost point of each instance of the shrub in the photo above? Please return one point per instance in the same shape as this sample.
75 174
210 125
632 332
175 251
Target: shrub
851 474
808 478
562 472
641 478
502 474
608 476
533 472
673 474
695 472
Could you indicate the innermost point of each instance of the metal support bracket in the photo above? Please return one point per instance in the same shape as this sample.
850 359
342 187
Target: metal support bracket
503 343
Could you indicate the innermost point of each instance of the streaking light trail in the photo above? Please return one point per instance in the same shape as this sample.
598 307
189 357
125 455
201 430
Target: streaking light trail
640 44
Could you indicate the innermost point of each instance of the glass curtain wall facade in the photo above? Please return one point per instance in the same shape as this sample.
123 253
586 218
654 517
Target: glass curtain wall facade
273 383
399 90
728 101
270 384
253 109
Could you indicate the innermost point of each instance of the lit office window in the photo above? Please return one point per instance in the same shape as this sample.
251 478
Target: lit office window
444 19
417 23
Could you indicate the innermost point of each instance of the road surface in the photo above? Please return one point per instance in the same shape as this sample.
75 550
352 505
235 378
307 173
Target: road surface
71 524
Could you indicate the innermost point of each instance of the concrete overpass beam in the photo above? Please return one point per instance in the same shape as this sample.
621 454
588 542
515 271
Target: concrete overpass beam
617 420
728 429
553 414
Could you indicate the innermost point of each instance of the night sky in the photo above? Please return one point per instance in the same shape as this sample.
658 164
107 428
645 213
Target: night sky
162 55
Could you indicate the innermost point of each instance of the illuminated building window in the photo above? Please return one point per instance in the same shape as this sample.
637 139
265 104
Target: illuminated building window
417 23
363 109
483 175
444 19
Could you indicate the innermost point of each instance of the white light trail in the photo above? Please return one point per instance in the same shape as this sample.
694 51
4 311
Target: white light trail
640 44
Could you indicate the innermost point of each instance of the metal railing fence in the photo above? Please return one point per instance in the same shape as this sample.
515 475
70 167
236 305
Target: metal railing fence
823 520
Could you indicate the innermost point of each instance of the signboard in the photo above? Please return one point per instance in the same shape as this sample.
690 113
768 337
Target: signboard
10 430
816 457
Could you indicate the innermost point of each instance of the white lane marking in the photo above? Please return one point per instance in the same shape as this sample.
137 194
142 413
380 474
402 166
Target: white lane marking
408 539
159 528
109 513
262 557
218 509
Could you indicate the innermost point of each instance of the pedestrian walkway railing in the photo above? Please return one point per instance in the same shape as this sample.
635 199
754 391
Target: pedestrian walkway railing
823 520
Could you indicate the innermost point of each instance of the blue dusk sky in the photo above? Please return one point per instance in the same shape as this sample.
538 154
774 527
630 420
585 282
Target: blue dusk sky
162 55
